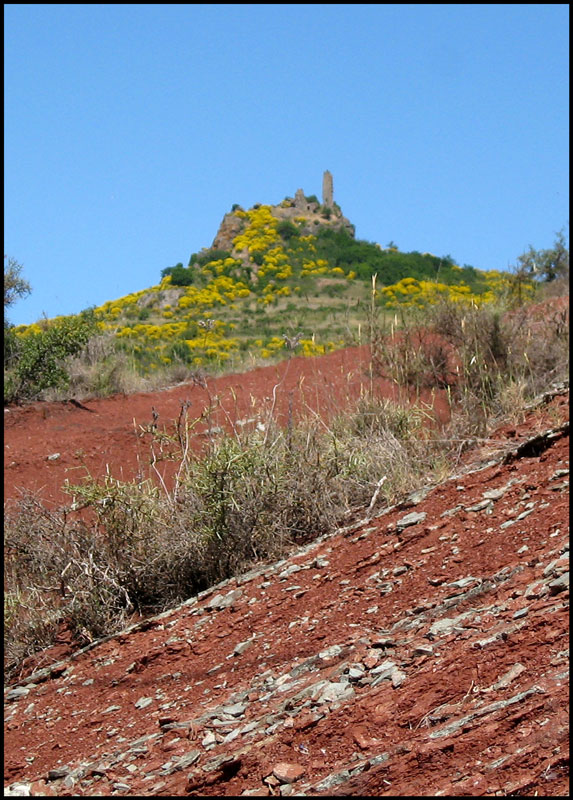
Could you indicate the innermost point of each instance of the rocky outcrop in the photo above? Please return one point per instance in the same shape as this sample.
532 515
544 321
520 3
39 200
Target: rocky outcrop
230 227
327 215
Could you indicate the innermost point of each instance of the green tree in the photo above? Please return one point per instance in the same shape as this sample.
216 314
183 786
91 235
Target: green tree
15 287
546 265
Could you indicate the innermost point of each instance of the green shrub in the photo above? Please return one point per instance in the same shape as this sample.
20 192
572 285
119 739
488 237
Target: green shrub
38 357
180 275
287 230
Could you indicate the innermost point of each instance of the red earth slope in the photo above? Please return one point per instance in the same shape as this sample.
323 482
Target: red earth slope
422 652
47 443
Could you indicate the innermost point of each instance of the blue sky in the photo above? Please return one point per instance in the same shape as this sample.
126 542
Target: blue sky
130 130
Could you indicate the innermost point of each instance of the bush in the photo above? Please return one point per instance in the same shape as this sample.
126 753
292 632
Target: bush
37 360
287 230
180 275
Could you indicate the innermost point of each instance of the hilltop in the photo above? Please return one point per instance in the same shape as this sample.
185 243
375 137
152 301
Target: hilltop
277 278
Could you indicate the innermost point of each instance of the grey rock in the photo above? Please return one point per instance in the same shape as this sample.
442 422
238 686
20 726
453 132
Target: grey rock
331 652
447 730
185 761
335 692
242 646
463 582
481 506
386 668
423 650
224 601
17 790
235 710
17 693
355 673
495 494
289 571
416 497
58 772
411 519
398 677
452 511
560 584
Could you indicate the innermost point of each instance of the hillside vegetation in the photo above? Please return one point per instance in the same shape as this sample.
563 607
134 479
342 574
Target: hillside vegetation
289 279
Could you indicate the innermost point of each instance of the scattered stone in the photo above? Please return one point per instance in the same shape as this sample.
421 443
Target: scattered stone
355 673
242 646
416 497
17 790
57 773
335 692
143 702
398 677
411 519
483 505
185 761
509 676
423 650
286 573
463 582
559 584
17 693
332 780
288 773
331 652
225 601
452 511
235 710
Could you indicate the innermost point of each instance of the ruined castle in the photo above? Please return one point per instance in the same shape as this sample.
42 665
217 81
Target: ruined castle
316 215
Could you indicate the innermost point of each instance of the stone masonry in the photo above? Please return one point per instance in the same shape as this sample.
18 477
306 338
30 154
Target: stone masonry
327 191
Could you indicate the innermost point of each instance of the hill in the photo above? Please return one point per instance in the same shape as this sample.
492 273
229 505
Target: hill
277 279
274 271
278 271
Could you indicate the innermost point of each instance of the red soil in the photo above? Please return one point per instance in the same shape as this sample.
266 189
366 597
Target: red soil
279 676
111 434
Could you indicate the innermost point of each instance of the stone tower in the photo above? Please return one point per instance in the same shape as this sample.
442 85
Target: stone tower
327 190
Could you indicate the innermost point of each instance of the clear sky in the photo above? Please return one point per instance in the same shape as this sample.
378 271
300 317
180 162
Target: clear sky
130 130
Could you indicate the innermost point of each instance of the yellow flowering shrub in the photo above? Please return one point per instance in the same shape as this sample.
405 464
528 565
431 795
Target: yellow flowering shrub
413 293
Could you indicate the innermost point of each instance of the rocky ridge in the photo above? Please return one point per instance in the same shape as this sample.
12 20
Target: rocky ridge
421 651
316 215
